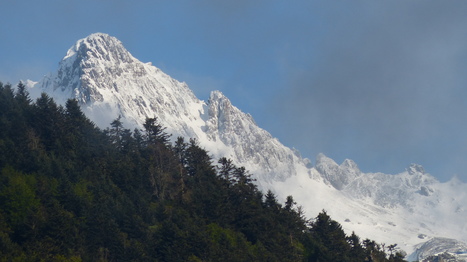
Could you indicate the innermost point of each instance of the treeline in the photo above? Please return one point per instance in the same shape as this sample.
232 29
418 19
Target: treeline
72 192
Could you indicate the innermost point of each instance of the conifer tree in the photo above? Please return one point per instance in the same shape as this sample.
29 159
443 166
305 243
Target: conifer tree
155 133
72 192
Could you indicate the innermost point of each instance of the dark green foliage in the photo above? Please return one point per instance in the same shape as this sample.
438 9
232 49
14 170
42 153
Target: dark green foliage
327 241
155 132
72 192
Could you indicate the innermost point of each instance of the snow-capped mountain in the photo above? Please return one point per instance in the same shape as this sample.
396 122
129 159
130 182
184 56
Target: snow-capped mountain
409 208
108 81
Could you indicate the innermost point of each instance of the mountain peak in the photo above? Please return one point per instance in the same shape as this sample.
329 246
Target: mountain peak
222 110
97 57
221 101
415 169
323 159
99 45
339 176
217 95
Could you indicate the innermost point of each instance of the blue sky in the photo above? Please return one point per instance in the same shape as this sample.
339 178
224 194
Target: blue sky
379 82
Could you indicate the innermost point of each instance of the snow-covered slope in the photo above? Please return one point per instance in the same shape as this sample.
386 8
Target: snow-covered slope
407 208
108 81
441 249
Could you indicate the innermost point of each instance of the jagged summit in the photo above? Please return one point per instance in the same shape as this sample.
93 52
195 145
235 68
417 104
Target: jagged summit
339 176
226 118
96 55
108 81
415 169
252 146
100 45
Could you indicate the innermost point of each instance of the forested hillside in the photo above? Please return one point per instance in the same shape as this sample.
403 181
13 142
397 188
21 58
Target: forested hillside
72 192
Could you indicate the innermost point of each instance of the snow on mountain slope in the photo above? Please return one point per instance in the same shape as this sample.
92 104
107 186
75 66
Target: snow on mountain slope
408 208
108 81
448 249
251 146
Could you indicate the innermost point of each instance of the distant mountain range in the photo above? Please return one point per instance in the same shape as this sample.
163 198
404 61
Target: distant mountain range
409 208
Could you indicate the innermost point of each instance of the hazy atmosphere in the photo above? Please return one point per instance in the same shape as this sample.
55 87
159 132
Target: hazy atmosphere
382 83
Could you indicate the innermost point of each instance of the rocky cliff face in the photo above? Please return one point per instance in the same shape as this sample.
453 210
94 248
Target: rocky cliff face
251 145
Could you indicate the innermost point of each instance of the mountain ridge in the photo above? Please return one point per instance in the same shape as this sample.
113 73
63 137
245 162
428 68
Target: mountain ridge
108 82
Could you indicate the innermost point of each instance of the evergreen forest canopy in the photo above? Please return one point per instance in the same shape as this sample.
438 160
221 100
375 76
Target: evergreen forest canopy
70 191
